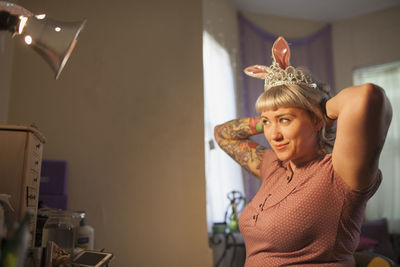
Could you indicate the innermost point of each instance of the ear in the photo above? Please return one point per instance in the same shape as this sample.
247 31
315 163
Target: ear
318 125
257 71
281 52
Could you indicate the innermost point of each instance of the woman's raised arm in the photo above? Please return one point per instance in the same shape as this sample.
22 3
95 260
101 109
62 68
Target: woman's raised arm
363 116
233 138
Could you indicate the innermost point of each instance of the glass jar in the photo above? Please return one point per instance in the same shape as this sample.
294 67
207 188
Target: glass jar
60 229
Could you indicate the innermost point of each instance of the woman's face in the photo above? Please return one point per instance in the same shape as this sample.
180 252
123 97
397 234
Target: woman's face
291 133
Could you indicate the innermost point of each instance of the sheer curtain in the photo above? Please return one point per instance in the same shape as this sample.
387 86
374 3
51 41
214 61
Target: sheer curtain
313 52
222 173
386 201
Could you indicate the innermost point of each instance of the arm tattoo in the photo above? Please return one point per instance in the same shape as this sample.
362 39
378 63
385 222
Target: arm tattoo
240 128
233 138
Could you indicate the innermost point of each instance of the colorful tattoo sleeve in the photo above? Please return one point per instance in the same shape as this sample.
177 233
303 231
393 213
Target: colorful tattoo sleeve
234 138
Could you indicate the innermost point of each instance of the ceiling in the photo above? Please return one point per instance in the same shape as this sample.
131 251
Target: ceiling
320 10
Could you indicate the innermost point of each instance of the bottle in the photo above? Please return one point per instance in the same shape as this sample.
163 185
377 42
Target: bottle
85 234
60 229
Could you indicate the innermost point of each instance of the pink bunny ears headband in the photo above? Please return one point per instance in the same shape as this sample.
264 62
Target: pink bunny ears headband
280 72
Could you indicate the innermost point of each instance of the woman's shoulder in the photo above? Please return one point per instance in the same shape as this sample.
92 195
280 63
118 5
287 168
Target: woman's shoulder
321 164
269 157
326 163
269 164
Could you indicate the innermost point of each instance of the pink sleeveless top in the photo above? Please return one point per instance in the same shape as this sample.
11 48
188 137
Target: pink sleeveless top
312 220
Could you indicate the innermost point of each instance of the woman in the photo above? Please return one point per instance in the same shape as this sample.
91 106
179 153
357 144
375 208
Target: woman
310 206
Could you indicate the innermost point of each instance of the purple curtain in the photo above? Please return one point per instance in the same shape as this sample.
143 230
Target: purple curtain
313 52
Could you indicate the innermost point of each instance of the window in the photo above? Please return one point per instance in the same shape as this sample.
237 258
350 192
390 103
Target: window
222 173
386 202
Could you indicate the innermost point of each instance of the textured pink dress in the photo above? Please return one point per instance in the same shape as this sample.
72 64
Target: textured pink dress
313 220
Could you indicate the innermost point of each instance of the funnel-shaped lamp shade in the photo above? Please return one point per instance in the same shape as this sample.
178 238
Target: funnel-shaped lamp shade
53 40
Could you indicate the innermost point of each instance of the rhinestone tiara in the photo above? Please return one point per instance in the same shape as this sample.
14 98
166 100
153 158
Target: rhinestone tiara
280 72
277 76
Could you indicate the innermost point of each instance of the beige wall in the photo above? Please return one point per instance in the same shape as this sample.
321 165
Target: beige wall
363 41
127 115
284 26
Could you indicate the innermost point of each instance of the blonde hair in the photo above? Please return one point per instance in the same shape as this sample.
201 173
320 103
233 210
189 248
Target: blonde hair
304 97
